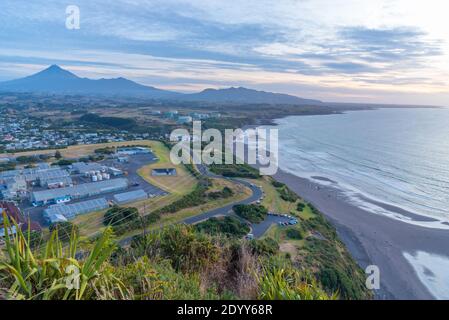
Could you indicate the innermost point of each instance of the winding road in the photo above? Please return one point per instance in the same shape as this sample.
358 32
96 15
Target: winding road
257 229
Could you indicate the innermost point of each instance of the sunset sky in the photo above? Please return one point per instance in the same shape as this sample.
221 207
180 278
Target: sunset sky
385 51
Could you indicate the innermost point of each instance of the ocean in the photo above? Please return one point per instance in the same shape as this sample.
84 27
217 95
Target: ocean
388 161
392 162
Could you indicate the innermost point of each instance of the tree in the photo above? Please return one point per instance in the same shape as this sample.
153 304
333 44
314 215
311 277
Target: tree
58 155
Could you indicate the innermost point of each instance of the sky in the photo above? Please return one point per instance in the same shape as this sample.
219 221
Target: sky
374 51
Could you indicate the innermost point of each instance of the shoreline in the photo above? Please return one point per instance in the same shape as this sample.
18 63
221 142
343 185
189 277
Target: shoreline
375 239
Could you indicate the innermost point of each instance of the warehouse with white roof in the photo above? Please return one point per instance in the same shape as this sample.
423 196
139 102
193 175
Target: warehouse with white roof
62 195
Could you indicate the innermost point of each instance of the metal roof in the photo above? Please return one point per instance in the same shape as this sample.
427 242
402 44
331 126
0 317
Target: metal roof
130 196
64 180
85 167
70 211
81 190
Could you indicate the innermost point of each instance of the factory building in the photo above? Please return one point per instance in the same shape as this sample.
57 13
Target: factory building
86 168
62 212
62 195
133 151
163 172
131 196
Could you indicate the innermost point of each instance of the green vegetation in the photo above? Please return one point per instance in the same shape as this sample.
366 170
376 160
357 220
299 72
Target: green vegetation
42 275
27 159
300 206
294 234
192 199
177 262
117 216
235 170
114 122
64 230
266 246
229 226
285 193
289 284
64 162
7 166
223 194
251 212
105 150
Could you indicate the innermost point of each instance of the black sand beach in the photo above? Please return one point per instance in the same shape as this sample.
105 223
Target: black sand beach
375 239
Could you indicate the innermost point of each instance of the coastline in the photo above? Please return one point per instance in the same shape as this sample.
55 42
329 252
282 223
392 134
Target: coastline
375 239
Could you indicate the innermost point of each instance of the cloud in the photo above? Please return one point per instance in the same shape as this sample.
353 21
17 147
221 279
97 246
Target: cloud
363 45
394 44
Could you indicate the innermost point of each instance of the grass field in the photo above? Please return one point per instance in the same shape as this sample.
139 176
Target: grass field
240 193
273 202
78 151
177 186
180 184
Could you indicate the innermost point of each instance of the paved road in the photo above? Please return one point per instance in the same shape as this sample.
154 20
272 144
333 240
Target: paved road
257 229
227 210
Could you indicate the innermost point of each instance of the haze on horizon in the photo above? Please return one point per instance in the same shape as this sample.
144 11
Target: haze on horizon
380 51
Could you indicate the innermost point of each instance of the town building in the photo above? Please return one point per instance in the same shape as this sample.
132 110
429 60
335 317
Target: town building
132 196
62 212
163 172
62 195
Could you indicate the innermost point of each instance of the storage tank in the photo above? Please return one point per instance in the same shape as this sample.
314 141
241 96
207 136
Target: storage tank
99 177
94 178
105 176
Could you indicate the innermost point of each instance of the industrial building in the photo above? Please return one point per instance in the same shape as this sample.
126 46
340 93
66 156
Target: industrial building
14 183
57 183
12 187
163 172
85 168
63 212
131 196
133 150
34 176
184 119
62 195
115 172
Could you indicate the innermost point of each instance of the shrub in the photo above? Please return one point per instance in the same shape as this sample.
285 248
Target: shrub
119 216
252 212
267 246
186 249
229 226
43 275
300 206
235 170
294 234
223 194
64 230
289 284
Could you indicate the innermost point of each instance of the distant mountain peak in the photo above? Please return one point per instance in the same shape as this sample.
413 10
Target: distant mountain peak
55 79
245 95
54 71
